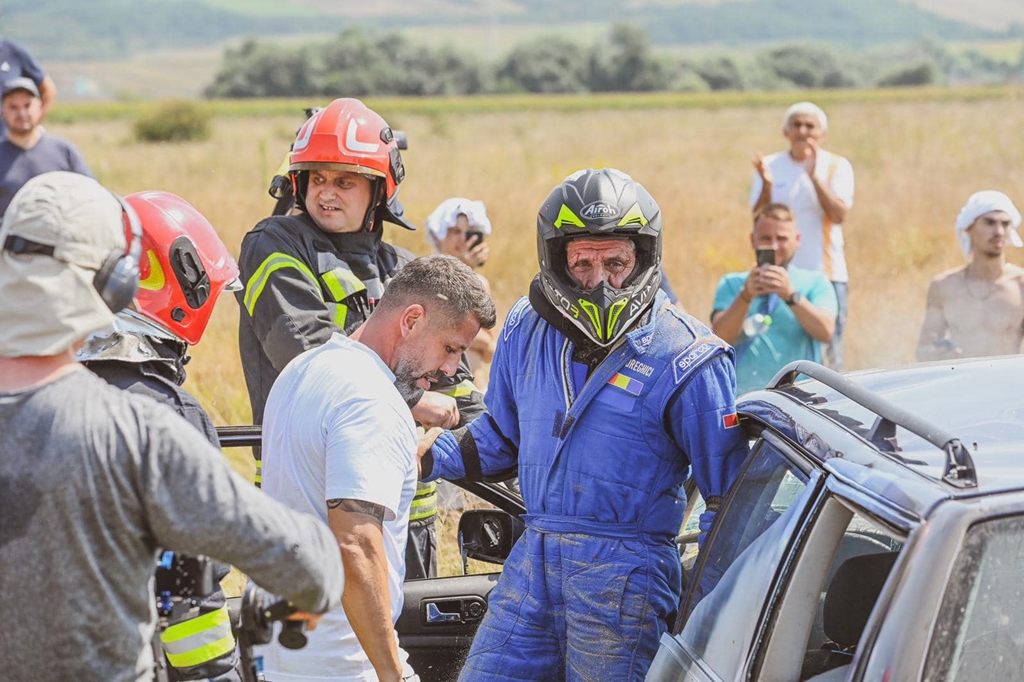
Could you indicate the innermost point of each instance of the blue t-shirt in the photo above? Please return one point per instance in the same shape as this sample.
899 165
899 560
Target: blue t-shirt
19 165
760 357
16 62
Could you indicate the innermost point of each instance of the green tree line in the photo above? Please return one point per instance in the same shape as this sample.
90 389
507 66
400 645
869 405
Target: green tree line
358 63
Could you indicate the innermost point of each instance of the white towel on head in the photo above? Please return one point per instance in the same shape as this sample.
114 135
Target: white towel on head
805 108
447 214
978 205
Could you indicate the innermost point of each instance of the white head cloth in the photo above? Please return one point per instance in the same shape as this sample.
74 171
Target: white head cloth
805 108
447 214
978 205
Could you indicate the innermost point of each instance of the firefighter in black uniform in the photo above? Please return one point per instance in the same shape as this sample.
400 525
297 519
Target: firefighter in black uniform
321 272
184 268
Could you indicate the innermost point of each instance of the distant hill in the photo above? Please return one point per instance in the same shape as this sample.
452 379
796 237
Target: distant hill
996 15
118 29
105 29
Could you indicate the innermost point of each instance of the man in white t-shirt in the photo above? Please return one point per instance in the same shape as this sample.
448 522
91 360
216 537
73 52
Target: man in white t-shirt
817 186
339 442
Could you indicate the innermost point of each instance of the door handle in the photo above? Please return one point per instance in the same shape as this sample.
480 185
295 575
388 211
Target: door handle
455 610
436 615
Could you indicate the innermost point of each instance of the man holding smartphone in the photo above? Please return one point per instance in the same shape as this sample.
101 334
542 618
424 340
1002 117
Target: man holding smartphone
457 227
777 312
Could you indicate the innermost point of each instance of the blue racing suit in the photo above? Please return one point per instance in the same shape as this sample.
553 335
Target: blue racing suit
589 588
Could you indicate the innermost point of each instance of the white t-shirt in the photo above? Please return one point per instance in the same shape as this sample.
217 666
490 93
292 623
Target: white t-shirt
337 428
821 241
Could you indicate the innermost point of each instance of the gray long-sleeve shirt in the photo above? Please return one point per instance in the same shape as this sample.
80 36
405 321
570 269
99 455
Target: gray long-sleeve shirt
92 481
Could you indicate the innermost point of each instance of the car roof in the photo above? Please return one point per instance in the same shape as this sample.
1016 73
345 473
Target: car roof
980 402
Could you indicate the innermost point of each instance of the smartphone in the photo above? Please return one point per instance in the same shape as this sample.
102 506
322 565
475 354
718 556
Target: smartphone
765 257
474 238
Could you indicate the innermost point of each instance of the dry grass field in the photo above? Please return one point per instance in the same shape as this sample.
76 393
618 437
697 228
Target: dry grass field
915 164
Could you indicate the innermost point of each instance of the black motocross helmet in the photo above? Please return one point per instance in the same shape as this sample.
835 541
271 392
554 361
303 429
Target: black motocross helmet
596 204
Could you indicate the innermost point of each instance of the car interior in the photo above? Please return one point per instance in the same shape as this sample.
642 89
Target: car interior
836 583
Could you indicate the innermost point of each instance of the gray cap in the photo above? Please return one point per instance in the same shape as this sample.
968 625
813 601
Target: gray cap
47 297
26 84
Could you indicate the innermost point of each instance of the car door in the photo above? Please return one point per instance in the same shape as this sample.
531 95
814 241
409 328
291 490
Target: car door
440 615
740 567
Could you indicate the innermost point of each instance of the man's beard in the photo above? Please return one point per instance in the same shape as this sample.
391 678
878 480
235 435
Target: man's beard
406 376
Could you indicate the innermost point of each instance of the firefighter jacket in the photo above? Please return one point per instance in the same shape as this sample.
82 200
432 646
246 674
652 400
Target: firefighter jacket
301 286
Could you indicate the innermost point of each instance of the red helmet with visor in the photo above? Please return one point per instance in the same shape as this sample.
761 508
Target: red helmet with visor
184 266
346 135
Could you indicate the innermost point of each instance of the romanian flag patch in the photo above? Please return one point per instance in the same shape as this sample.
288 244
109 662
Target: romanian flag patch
731 420
627 384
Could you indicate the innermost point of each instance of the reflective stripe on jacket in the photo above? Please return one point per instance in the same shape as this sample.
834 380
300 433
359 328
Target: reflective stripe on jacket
424 504
199 640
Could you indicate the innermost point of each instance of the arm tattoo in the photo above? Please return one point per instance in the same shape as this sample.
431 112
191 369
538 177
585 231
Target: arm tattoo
358 507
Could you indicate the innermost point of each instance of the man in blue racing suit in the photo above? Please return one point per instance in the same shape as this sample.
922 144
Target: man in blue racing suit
604 397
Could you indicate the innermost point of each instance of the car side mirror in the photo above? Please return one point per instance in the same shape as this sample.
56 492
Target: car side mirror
488 535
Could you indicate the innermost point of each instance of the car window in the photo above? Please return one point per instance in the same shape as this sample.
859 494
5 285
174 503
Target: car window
979 636
451 502
743 557
832 589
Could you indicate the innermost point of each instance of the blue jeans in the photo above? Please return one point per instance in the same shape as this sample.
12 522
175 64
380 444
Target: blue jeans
834 350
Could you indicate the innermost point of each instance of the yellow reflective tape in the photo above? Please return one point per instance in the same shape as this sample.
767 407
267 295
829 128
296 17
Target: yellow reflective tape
340 314
459 390
633 215
613 314
595 317
422 509
258 479
156 279
424 504
424 489
565 215
272 264
197 625
342 283
202 654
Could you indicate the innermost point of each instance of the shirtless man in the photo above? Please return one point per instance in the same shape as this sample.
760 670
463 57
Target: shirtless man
978 309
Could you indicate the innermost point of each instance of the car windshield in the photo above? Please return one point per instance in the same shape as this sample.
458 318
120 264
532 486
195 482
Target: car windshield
979 636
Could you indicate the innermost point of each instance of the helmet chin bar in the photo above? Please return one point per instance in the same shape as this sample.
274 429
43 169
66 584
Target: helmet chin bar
603 313
601 307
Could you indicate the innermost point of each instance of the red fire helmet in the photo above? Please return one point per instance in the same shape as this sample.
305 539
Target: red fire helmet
184 265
